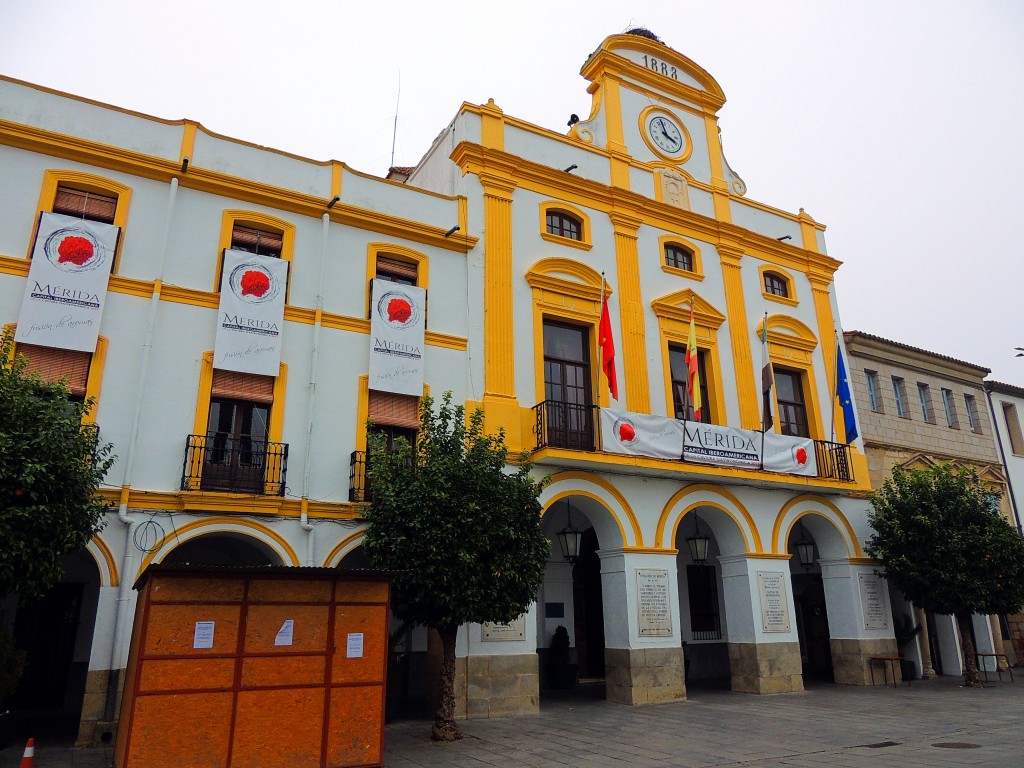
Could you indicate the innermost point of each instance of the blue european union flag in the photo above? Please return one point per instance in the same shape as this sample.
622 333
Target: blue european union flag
845 398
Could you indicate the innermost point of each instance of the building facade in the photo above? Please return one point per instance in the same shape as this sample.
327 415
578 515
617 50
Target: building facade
498 246
918 409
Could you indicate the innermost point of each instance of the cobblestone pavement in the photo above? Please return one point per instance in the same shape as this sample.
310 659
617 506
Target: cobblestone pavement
934 723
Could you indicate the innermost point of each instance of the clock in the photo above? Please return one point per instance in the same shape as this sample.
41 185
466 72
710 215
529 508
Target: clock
665 135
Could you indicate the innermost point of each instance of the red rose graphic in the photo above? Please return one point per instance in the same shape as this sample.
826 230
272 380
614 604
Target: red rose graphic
626 432
399 311
77 250
255 283
801 456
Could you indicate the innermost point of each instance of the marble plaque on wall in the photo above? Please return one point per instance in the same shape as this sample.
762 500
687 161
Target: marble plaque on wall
872 601
654 607
771 588
514 630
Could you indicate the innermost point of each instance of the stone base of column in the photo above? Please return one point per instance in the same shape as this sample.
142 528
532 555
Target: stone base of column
766 667
502 685
851 663
93 731
644 675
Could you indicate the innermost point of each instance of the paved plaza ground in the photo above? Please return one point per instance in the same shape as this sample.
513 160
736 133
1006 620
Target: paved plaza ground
931 723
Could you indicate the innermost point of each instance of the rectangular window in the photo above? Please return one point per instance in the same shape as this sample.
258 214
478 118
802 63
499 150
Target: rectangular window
702 588
54 364
899 391
972 413
950 405
84 205
792 409
1013 428
680 385
568 416
925 395
874 392
396 271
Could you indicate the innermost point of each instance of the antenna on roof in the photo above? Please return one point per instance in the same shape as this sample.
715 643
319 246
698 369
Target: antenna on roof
394 132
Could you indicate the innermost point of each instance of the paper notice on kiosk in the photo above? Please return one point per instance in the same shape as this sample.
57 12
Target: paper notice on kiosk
354 649
285 633
203 637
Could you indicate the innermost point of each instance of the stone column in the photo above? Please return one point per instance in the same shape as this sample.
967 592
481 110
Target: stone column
643 649
997 640
764 650
859 621
927 670
501 668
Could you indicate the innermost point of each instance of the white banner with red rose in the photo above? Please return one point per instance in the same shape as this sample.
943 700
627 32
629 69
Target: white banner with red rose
67 283
251 314
795 455
397 330
641 434
723 446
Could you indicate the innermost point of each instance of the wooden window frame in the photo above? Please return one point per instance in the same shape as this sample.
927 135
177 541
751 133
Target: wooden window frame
771 272
562 209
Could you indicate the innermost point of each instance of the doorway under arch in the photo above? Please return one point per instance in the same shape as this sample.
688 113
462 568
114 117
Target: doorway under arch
223 549
805 543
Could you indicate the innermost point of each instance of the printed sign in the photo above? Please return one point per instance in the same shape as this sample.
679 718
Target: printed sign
203 635
286 633
725 446
397 331
872 601
67 283
251 313
354 645
513 630
641 434
771 588
654 608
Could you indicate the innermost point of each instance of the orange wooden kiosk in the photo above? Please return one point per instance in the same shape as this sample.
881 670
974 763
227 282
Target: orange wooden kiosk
255 667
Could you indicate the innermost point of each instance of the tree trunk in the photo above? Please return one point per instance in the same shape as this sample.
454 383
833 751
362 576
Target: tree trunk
972 677
445 728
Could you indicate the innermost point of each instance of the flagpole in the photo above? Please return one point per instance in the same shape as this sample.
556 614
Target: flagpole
835 383
764 404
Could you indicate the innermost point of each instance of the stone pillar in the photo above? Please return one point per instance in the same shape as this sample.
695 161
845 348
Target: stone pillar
927 669
501 669
997 640
859 621
764 650
643 648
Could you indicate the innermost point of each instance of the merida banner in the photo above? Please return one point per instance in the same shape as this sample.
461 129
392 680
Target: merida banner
724 446
641 434
251 314
795 455
397 330
67 283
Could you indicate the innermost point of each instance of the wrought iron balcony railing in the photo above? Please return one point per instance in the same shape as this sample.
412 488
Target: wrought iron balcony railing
565 425
216 462
358 487
834 460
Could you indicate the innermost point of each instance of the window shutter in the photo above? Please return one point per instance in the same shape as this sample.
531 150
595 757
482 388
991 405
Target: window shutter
89 205
242 386
55 364
400 269
395 410
256 241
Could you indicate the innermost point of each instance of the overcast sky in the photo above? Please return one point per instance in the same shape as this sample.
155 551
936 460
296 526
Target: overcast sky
898 124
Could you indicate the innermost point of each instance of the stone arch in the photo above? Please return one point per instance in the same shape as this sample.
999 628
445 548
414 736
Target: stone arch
607 510
250 530
106 563
718 507
832 532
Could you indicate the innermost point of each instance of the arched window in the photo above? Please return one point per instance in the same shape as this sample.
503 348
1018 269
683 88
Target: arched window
776 284
678 257
562 224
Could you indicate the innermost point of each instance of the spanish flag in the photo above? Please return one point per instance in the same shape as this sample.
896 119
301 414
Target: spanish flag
607 345
693 383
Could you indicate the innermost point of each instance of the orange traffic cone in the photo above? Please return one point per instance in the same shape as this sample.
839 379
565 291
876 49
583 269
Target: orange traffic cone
29 756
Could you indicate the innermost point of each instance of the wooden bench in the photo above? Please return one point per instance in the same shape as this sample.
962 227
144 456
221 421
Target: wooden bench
999 670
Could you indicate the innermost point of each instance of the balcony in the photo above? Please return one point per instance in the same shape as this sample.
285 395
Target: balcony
565 425
234 465
358 487
587 428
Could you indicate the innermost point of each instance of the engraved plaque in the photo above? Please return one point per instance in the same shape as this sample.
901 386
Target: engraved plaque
515 630
654 607
872 601
771 588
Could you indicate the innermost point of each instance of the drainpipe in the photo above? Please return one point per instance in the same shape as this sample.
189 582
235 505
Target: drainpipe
128 566
304 523
1002 455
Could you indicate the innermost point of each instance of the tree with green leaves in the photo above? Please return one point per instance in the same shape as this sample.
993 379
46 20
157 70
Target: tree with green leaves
459 528
946 547
51 467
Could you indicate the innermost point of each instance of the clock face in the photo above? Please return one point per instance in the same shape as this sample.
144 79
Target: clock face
665 134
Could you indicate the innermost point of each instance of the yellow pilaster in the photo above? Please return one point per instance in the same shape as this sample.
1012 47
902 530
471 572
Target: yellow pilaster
492 129
820 282
631 313
808 231
618 156
501 407
739 335
719 186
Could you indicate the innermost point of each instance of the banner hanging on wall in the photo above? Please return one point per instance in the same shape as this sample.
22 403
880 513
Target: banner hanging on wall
67 283
641 434
795 455
397 331
251 314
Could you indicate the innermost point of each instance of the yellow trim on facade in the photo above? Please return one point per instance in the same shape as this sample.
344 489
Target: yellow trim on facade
214 522
632 334
689 490
608 488
94 379
87 182
778 544
189 129
791 300
731 258
109 562
200 502
400 253
341 546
